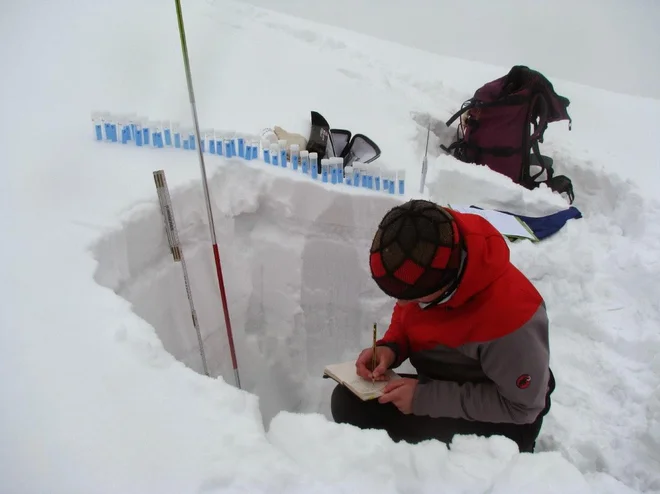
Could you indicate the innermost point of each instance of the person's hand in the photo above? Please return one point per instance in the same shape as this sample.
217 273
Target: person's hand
400 393
384 358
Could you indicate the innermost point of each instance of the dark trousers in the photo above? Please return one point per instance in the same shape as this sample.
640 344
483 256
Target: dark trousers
348 408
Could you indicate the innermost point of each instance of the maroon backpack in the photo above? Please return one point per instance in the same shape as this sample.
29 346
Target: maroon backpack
502 125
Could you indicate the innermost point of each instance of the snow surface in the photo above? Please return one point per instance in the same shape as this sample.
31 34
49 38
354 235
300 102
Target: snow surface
99 387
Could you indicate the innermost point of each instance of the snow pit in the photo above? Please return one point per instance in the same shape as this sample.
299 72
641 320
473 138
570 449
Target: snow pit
294 257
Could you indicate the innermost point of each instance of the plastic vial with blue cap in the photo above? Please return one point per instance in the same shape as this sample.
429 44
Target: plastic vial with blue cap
132 120
325 169
392 182
158 138
167 133
146 131
176 134
339 164
314 165
304 161
386 181
119 125
348 175
282 144
370 176
153 131
98 125
334 170
113 128
255 150
232 145
401 180
294 151
240 141
265 146
376 173
211 140
275 154
125 132
105 123
138 133
357 173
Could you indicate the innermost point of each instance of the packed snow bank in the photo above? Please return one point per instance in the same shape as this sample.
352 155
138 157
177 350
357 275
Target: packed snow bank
294 261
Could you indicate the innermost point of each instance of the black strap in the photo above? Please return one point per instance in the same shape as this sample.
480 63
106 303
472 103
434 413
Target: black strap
499 151
562 184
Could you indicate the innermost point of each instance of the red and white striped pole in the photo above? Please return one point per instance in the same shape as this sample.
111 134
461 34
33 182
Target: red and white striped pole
216 253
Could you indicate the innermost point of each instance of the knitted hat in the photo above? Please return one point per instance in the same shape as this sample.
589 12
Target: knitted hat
416 250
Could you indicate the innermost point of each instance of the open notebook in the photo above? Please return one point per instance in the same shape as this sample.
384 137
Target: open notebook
364 389
508 225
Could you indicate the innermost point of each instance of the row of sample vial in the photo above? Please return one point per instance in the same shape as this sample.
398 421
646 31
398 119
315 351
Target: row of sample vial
332 170
141 132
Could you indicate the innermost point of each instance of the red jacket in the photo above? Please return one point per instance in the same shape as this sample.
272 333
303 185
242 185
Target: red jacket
483 354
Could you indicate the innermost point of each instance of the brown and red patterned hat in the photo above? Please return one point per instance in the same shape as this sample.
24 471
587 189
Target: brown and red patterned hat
416 250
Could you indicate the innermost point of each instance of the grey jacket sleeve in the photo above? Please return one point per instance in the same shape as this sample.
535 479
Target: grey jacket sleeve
518 366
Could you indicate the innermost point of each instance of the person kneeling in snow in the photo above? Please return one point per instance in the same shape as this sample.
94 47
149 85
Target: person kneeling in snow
473 326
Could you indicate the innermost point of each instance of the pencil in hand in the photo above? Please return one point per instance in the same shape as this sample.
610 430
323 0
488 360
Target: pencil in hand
374 362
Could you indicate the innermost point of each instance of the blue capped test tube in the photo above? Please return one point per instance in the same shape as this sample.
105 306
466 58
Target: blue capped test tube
138 133
167 133
191 138
176 134
275 154
333 170
339 165
386 181
124 128
219 144
232 145
401 181
282 144
265 146
391 182
240 141
348 175
248 149
314 165
158 135
255 150
210 139
106 122
357 174
97 121
294 151
228 147
376 174
146 131
325 169
304 161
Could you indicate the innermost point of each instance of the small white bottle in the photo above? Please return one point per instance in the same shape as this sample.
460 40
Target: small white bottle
294 151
